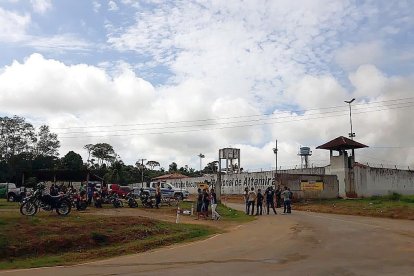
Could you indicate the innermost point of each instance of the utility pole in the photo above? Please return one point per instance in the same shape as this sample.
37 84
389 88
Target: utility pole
351 134
275 152
142 170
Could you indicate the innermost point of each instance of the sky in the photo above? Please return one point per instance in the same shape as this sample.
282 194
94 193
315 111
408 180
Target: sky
168 80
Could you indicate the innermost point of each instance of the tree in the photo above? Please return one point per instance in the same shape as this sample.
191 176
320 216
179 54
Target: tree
72 161
16 136
89 148
47 142
153 164
173 167
104 153
211 167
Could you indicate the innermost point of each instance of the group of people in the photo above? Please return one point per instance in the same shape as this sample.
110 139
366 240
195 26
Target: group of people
271 197
204 199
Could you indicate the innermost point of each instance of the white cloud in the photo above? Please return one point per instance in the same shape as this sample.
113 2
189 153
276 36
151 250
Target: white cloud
41 6
112 6
48 91
354 55
96 6
13 26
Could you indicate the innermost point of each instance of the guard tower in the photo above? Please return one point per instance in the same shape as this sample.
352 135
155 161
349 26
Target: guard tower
304 153
230 154
342 165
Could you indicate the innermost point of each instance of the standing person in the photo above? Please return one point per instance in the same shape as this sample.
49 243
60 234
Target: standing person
286 200
246 198
199 202
259 205
278 197
157 196
289 209
206 200
270 200
90 192
251 199
53 190
213 202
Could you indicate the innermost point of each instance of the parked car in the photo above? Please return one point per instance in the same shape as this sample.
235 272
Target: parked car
167 190
121 191
11 192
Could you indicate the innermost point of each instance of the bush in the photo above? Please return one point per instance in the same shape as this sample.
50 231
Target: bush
394 196
99 238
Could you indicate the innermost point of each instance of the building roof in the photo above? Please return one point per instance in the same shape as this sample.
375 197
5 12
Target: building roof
342 143
170 176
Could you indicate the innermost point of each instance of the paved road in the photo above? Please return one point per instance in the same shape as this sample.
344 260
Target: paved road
298 244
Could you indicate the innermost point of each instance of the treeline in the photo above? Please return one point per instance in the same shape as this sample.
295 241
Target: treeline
28 155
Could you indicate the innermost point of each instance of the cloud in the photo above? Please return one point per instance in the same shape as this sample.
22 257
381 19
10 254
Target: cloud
112 6
354 55
13 26
96 6
176 122
41 6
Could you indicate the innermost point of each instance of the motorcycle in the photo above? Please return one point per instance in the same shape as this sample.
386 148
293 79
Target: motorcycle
38 200
116 202
97 199
146 200
78 201
132 203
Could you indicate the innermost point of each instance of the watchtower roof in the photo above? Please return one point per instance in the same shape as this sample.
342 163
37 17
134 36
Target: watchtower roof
342 143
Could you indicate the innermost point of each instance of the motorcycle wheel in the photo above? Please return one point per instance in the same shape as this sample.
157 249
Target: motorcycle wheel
81 206
64 208
133 204
28 208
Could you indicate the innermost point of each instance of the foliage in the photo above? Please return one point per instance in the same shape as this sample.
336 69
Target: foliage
16 136
153 164
47 143
173 167
104 153
72 161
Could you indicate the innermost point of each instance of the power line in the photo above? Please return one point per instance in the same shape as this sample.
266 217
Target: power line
228 127
233 117
406 104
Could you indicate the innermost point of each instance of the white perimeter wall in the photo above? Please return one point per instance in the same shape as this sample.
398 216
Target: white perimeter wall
379 181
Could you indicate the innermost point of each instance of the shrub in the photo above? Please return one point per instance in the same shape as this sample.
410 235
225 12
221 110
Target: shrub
394 196
99 237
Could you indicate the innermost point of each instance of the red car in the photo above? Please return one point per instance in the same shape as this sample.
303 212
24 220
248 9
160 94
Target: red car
121 191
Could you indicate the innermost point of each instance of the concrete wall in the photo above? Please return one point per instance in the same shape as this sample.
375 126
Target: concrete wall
235 183
293 181
339 167
379 181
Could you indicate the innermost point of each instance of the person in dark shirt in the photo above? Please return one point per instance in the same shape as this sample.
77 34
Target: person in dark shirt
206 201
199 202
259 202
270 196
278 197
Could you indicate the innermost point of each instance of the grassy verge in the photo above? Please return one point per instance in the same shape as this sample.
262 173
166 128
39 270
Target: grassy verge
226 213
48 240
4 204
391 206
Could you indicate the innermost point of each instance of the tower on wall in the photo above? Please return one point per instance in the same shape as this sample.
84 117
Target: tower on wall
342 164
304 153
229 154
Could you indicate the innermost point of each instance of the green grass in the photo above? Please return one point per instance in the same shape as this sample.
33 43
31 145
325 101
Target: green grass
393 205
4 204
48 239
226 213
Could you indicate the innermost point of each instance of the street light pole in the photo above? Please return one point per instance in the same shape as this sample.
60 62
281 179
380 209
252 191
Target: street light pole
352 134
275 152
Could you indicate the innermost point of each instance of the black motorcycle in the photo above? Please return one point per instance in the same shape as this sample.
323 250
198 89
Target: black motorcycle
31 204
116 202
132 203
146 199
